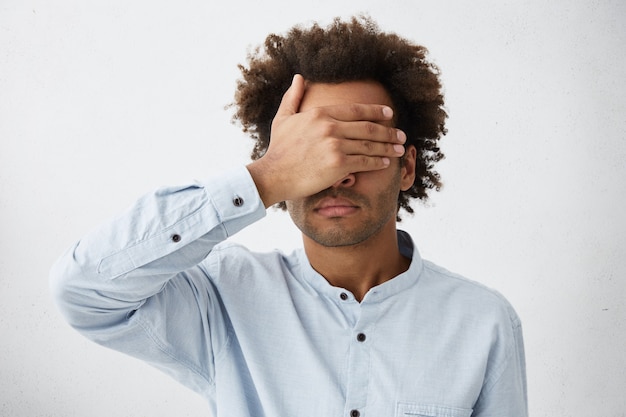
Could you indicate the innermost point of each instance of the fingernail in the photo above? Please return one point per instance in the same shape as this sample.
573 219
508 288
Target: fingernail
386 161
399 149
401 136
387 112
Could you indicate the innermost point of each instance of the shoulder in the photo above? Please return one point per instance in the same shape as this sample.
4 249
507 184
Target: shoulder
229 250
237 261
473 297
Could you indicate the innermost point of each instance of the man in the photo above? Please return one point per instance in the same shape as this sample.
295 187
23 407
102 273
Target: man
356 323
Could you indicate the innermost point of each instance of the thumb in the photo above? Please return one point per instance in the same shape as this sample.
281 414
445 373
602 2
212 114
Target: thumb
290 102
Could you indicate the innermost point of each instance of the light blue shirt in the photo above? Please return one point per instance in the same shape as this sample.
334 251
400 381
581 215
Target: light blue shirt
264 335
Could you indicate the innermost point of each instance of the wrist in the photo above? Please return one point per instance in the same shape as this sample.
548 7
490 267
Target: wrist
264 182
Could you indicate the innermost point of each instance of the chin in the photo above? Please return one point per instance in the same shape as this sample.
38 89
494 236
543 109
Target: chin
342 236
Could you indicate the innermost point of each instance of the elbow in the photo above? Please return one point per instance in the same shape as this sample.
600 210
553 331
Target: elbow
84 299
63 289
75 293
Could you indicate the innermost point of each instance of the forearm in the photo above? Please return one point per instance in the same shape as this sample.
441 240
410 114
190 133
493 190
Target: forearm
113 270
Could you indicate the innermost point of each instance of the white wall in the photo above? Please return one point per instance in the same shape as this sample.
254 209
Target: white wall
102 101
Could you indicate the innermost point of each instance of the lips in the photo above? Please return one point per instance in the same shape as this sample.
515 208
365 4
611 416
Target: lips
335 207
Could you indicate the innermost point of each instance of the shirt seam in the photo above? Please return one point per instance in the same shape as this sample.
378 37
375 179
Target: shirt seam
514 323
163 348
513 318
139 242
491 382
222 350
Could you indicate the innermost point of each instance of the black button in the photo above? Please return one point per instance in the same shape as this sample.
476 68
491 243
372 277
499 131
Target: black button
343 296
355 413
176 238
360 337
238 201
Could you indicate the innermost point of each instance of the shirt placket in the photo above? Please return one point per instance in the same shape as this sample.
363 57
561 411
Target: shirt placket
358 369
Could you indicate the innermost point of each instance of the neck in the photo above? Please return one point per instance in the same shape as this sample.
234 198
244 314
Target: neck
358 268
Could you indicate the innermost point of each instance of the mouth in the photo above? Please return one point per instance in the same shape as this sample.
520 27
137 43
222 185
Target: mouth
335 207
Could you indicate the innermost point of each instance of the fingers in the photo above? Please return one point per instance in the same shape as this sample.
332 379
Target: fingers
369 131
365 146
371 148
310 150
356 111
356 121
292 98
362 163
350 156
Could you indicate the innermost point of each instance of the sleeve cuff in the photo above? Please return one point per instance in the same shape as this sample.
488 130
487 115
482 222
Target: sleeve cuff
235 198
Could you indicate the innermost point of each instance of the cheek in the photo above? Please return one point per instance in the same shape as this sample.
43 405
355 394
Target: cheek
294 208
289 206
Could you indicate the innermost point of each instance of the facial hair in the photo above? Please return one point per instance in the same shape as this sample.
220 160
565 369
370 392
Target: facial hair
340 232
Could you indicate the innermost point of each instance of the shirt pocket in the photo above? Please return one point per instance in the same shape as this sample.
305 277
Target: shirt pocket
407 409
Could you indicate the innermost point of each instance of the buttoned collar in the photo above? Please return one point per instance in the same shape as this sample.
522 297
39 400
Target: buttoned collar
378 293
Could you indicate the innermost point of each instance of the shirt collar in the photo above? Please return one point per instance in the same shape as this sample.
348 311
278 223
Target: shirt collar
378 293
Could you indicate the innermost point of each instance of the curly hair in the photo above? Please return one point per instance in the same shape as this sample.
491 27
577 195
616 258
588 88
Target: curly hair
349 51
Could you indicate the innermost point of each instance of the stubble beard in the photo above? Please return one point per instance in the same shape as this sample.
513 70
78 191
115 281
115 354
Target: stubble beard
336 232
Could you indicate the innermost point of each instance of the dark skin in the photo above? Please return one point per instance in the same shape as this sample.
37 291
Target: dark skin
334 157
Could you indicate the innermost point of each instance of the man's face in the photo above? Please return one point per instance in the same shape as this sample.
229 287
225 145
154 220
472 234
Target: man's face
360 205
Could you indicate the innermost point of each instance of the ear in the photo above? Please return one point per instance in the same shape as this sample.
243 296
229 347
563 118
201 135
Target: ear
407 170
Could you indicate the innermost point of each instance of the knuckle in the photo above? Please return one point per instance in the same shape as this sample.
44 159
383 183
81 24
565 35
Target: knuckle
355 110
334 146
370 128
366 161
335 161
367 146
328 129
317 112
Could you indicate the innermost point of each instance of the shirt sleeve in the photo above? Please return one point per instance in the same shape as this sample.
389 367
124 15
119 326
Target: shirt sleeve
134 285
505 392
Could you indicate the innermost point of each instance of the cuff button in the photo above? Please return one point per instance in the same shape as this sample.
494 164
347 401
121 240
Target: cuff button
238 201
175 238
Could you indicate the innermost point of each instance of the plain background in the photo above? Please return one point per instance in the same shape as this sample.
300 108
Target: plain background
103 101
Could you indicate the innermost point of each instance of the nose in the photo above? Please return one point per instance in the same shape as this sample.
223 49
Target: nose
347 181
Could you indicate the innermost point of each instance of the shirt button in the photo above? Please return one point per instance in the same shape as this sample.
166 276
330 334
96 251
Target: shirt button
237 201
176 238
343 296
355 413
361 337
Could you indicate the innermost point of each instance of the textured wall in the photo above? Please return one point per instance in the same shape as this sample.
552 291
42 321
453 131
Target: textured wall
102 101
